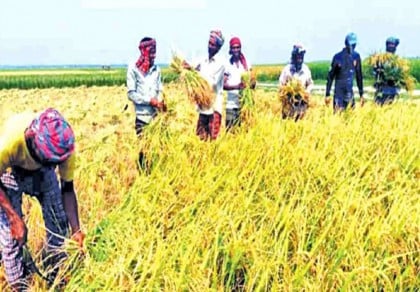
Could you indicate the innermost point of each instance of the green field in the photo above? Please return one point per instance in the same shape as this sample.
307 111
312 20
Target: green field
60 78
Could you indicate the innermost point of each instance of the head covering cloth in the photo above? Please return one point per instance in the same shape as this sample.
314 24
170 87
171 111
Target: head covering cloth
50 137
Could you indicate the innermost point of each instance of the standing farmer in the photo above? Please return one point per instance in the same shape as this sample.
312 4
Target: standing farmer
233 84
386 88
32 150
296 106
344 66
144 89
212 69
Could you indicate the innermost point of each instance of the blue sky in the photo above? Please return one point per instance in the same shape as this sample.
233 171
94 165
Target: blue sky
49 32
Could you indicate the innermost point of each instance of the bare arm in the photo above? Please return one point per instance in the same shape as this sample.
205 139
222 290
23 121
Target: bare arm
17 226
283 78
70 205
71 208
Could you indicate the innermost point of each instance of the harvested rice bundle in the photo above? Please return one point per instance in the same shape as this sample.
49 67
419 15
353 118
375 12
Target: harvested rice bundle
198 89
247 97
391 69
294 99
293 92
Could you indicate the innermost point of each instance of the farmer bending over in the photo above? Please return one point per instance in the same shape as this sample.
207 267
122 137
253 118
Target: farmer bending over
29 153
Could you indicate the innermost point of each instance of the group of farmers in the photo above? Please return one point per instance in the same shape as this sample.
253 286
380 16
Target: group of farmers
144 83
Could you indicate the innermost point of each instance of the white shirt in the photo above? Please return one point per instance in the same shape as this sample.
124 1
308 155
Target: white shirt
213 71
304 76
233 73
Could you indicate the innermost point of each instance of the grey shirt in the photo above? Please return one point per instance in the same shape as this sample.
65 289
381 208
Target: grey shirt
141 88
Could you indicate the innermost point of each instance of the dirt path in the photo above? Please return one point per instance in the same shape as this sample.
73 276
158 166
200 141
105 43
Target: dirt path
320 89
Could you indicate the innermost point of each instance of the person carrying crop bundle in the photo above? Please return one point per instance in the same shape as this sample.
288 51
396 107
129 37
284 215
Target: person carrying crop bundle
144 89
386 89
296 107
344 66
212 69
233 82
30 150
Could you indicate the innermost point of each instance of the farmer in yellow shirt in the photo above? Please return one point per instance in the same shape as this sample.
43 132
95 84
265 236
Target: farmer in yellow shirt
30 150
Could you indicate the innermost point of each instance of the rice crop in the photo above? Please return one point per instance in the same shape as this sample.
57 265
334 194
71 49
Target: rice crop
197 88
393 69
331 202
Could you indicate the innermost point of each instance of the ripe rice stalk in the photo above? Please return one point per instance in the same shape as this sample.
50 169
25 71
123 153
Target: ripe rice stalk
394 69
197 88
247 99
323 204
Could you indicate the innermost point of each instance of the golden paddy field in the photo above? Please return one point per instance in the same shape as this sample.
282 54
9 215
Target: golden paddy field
331 202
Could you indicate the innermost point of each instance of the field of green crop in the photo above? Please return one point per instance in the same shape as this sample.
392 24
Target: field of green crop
329 203
98 77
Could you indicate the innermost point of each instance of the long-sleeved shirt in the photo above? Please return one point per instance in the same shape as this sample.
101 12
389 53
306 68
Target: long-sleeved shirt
141 88
213 71
233 75
14 152
343 68
304 76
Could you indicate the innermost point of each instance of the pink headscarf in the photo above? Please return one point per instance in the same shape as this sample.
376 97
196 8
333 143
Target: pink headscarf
237 41
143 63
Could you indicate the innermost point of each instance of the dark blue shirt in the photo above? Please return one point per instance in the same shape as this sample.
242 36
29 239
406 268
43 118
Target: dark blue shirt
343 68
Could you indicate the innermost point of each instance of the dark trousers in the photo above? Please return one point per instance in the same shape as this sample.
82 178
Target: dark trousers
208 126
386 95
43 185
343 101
233 118
139 126
142 162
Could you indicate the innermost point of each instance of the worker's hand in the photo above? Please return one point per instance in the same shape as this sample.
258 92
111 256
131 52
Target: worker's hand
241 86
18 230
79 237
157 104
185 65
362 101
154 102
327 100
253 83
